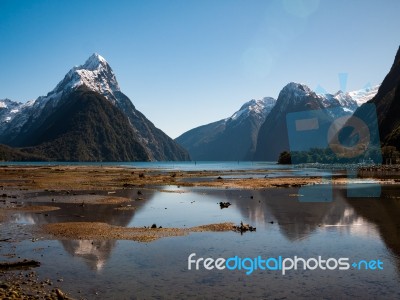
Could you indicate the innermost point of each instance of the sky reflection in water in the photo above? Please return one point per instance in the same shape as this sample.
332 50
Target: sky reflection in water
364 228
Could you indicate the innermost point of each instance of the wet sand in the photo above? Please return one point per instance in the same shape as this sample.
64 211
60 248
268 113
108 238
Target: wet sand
103 231
86 185
72 178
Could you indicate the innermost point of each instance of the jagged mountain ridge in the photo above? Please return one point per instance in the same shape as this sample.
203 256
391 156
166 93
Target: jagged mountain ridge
364 95
21 129
227 140
295 97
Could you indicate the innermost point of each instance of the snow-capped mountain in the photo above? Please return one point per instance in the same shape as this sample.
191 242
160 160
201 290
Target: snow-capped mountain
8 109
341 99
364 95
95 73
22 125
232 138
257 108
293 94
350 100
296 97
235 138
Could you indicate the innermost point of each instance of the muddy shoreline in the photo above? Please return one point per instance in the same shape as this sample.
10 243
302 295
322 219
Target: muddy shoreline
43 189
72 178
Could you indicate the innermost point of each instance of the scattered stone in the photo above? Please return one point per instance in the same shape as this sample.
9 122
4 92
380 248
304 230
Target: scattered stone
139 192
153 226
224 204
219 178
60 294
243 228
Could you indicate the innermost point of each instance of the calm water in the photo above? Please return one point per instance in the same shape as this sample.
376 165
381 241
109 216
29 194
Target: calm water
362 228
167 165
246 169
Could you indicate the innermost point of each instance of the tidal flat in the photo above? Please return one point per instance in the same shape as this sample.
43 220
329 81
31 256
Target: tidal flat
126 233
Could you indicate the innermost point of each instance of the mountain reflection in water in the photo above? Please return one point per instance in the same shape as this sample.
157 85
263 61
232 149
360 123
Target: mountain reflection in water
265 209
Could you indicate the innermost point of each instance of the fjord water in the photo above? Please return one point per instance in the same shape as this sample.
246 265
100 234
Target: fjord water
165 165
363 228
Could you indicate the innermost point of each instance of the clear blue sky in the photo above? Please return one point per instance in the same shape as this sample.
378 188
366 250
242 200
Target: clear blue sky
187 63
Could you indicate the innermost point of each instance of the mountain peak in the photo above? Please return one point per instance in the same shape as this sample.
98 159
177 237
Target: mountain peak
94 61
261 103
259 108
96 74
294 92
297 87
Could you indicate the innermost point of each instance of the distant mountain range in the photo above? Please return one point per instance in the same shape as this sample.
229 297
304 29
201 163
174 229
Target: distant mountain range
85 118
296 97
233 138
257 131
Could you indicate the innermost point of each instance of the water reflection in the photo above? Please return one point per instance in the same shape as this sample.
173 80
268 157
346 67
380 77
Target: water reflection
385 214
273 209
298 220
94 253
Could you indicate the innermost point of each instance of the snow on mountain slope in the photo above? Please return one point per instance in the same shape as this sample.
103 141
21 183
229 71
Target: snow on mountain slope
95 73
258 108
8 110
97 76
364 95
350 101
